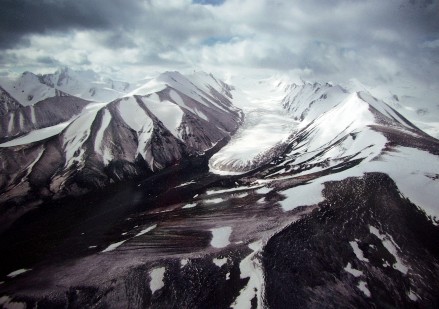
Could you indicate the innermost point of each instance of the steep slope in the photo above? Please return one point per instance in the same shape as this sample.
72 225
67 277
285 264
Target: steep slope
46 113
136 135
7 103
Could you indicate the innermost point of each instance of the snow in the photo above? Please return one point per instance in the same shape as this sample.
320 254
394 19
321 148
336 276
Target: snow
262 129
32 114
354 272
18 272
192 205
186 184
220 237
133 115
358 252
7 303
391 246
136 118
237 189
309 194
37 135
99 145
363 288
184 262
251 267
27 86
78 132
148 229
167 112
11 122
157 275
114 246
220 262
412 295
179 101
214 201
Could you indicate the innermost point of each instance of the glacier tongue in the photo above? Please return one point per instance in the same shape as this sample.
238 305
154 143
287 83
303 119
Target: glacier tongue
265 126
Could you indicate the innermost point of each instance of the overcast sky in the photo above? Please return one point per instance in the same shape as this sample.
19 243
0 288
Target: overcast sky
375 41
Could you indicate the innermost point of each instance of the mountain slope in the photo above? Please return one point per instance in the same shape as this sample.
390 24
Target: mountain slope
340 210
136 135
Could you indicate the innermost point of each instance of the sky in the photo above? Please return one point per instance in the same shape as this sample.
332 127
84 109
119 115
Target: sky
374 41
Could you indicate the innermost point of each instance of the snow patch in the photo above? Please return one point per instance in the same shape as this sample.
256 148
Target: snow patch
167 112
37 135
192 205
7 303
114 246
362 286
412 295
184 262
142 232
220 237
358 252
251 267
18 272
308 194
157 275
99 146
391 246
354 272
214 201
220 262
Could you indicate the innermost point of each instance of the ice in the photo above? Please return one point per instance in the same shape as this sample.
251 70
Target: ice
148 229
114 246
157 275
363 288
358 252
18 272
220 237
220 262
354 272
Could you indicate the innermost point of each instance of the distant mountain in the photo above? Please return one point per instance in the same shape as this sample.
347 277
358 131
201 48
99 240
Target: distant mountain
30 88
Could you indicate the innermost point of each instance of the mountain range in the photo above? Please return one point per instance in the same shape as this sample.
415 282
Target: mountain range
182 191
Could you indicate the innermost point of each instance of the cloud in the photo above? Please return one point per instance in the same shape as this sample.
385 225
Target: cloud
372 40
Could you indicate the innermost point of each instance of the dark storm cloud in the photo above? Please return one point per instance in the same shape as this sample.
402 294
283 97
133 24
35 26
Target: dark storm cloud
24 17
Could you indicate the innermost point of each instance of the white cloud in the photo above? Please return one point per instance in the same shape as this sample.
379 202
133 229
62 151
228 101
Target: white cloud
373 41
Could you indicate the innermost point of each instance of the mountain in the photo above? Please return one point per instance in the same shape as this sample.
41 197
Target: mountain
324 197
30 88
170 119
